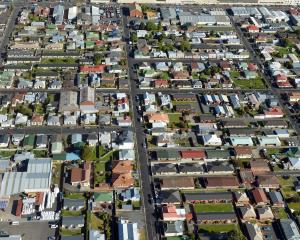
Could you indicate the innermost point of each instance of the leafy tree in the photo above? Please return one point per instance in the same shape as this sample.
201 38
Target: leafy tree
134 37
97 59
164 76
142 26
235 234
286 42
185 45
151 26
87 153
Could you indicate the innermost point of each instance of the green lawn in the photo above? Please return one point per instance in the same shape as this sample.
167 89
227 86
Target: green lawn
234 74
295 206
95 222
70 232
67 213
288 192
279 213
74 195
7 153
257 83
59 60
217 228
56 173
174 117
217 207
286 181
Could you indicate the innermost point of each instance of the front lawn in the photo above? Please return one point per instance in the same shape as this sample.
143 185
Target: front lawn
288 192
70 232
218 207
286 181
216 228
174 118
256 83
279 213
74 195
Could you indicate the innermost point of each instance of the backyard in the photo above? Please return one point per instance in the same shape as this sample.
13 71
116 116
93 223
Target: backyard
218 207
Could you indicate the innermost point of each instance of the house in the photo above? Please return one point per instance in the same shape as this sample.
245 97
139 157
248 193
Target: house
53 121
92 139
222 167
265 141
226 182
294 162
253 231
267 181
172 213
41 141
211 140
241 141
190 168
241 198
243 152
208 197
259 196
87 100
121 167
164 169
289 229
68 102
247 212
73 204
37 120
276 199
4 141
259 166
172 229
264 213
247 177
122 180
135 11
169 197
193 155
177 183
73 222
95 235
56 147
80 176
127 230
131 194
216 217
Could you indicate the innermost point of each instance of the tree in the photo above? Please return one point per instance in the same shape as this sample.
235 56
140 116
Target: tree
185 46
286 42
236 234
87 153
134 37
97 59
164 76
151 26
142 26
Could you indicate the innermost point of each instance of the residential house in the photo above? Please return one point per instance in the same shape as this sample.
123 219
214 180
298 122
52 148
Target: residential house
72 222
127 230
247 212
177 183
225 182
173 213
81 176
73 204
264 213
259 196
276 199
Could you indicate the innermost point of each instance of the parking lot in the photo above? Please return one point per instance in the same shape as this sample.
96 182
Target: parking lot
29 230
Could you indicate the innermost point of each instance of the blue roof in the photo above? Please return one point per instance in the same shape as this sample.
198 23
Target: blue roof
72 157
3 204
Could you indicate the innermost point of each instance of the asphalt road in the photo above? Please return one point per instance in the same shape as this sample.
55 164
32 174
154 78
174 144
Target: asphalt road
145 178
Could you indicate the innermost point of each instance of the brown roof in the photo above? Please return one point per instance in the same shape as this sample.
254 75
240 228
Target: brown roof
268 181
259 195
259 166
221 181
122 166
122 180
240 151
177 183
76 174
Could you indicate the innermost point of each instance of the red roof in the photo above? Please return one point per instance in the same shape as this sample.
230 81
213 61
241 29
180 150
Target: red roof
283 84
95 68
252 28
19 207
193 154
259 195
281 77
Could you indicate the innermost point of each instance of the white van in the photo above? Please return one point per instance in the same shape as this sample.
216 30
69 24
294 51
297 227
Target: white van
15 223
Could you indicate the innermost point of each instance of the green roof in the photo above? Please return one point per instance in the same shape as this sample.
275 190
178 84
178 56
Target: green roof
214 153
29 140
103 196
51 26
167 154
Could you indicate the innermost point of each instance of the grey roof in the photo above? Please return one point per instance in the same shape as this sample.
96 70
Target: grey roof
167 154
289 229
4 163
190 167
164 168
214 153
169 196
70 203
173 227
208 196
219 167
68 221
276 197
215 216
41 139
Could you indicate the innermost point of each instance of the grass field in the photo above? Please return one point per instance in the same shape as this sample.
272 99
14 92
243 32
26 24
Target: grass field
217 228
218 207
286 181
257 83
69 232
174 117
